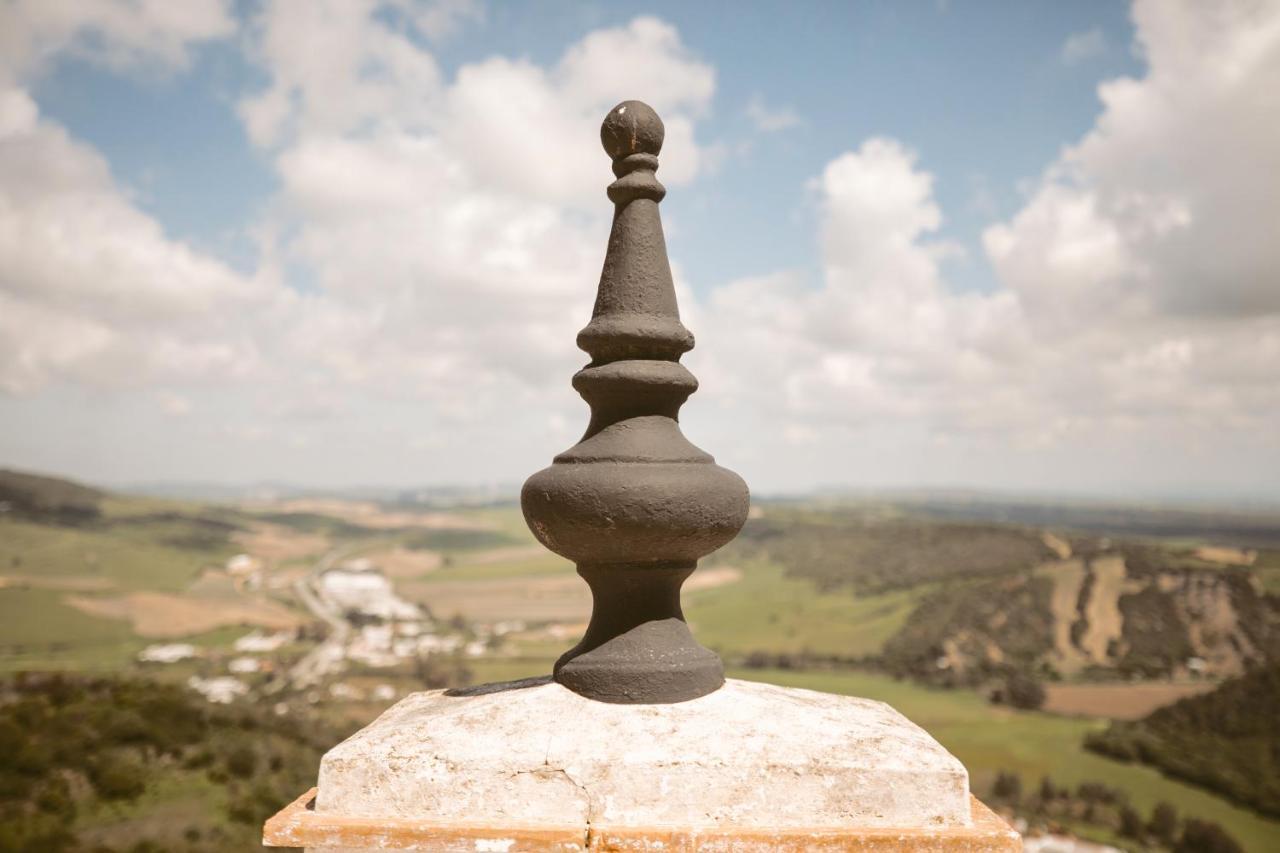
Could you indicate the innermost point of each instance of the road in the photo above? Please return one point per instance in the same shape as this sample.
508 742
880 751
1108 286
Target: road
329 654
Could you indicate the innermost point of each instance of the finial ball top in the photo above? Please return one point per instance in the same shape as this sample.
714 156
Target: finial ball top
632 127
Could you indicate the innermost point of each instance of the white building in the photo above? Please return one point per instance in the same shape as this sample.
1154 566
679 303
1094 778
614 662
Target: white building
222 690
257 642
167 653
366 590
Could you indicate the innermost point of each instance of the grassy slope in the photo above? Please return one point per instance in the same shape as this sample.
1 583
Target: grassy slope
770 612
133 557
134 544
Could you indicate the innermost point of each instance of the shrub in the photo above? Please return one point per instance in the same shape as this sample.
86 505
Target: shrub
1008 787
1164 822
1202 836
1023 691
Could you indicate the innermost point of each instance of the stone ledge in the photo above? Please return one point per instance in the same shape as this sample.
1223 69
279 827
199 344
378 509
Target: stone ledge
298 825
749 755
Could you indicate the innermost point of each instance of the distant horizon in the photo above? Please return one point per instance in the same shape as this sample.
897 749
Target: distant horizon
507 491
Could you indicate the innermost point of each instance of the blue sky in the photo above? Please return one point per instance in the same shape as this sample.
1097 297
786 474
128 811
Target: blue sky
983 245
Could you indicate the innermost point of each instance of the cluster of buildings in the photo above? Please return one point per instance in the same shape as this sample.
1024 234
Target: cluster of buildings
369 625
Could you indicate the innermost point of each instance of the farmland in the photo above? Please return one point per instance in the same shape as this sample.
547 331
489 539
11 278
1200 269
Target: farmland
897 604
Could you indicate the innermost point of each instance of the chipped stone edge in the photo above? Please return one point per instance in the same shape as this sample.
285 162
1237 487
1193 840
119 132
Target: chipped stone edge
298 825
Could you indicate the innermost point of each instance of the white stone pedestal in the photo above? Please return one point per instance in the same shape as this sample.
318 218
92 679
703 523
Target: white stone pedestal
533 766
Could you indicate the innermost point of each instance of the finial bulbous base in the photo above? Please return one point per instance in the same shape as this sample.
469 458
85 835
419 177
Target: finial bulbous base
619 674
638 648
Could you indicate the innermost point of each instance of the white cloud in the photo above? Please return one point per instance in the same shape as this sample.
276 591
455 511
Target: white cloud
452 227
769 119
1136 289
449 229
91 290
119 33
1079 47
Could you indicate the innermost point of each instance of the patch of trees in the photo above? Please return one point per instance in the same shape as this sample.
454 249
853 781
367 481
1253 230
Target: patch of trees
971 634
1227 741
1097 804
1020 690
873 554
69 744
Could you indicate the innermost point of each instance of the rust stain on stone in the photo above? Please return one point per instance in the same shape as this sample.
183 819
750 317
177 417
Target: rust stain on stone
298 825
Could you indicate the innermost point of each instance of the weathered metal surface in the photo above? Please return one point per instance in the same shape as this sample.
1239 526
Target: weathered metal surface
634 504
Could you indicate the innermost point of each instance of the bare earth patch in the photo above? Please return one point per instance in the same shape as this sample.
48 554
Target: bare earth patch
561 598
1057 545
160 614
1227 556
1103 609
405 562
540 599
275 543
1117 701
1068 577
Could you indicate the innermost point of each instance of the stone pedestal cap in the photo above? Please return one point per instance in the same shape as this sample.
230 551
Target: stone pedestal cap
748 756
533 762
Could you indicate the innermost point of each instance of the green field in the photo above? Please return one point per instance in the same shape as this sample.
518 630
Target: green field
766 611
130 556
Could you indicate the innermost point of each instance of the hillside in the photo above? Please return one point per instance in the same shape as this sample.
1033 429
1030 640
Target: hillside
1227 741
984 599
1128 611
843 597
871 552
124 764
50 499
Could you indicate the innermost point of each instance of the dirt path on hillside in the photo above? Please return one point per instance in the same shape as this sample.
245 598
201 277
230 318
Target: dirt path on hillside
1057 545
1068 576
1102 611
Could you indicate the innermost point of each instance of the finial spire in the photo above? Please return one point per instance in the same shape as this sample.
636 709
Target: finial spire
634 504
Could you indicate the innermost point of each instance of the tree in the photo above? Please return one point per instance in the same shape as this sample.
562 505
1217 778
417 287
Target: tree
118 776
1023 691
1008 787
1131 823
1202 836
241 761
1164 822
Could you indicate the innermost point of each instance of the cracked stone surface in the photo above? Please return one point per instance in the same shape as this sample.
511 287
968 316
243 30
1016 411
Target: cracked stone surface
748 755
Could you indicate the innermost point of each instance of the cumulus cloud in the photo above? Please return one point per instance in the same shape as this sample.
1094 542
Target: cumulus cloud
1136 289
451 239
121 34
91 289
445 228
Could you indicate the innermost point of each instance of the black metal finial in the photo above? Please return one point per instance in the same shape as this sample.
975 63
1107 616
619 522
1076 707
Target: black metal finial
634 503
